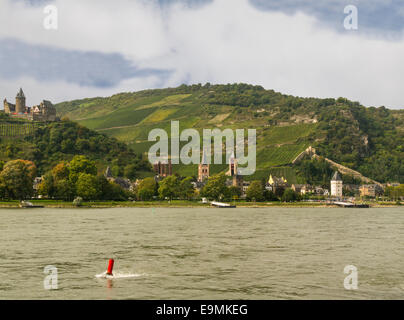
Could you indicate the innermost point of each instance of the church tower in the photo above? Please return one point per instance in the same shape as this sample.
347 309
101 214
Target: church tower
233 172
20 106
233 166
203 168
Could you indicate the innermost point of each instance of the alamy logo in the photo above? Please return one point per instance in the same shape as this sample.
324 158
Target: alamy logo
190 153
351 20
51 280
51 20
351 280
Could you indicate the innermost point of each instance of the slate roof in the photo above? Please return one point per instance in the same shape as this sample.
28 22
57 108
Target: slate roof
336 177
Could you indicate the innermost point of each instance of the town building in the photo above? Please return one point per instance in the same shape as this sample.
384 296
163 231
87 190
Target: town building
163 169
122 182
370 190
268 187
336 185
352 188
297 187
45 111
198 185
320 191
306 189
277 185
36 185
309 189
246 185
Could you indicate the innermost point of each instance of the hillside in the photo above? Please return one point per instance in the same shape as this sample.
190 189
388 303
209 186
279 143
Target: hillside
369 140
46 144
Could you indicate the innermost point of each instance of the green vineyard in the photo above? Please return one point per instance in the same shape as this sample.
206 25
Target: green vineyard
282 155
16 129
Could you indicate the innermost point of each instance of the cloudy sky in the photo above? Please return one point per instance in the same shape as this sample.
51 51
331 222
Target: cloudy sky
297 47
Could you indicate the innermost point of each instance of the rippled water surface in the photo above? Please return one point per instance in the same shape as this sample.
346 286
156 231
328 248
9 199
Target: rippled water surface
201 253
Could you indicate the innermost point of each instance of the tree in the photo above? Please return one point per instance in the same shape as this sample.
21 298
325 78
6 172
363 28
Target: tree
116 171
56 183
255 191
130 171
394 193
186 189
61 171
47 186
110 190
235 192
116 192
64 189
169 187
289 196
87 187
67 146
17 179
270 196
81 164
147 189
216 187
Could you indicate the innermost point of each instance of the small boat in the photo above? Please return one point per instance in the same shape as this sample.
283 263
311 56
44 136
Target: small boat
350 204
221 205
27 204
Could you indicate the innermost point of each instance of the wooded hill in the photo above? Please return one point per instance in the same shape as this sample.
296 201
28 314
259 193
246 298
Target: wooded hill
46 144
367 139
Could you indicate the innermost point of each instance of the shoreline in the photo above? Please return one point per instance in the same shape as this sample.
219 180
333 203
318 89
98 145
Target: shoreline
174 204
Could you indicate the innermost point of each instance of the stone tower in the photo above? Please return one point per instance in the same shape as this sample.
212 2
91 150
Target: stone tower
5 106
20 102
336 185
203 168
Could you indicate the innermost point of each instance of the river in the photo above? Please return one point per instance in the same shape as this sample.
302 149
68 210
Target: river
202 253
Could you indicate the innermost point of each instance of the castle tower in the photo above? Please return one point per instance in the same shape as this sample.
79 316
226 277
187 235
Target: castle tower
336 185
20 102
5 105
203 168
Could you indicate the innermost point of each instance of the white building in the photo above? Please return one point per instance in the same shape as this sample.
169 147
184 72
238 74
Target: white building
336 185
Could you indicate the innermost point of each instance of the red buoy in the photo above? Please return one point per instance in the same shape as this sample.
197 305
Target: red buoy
110 267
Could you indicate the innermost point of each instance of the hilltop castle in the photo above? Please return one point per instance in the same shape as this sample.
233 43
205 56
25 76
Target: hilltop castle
45 111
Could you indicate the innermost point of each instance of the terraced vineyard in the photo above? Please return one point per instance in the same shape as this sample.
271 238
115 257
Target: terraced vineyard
285 125
130 117
16 129
280 155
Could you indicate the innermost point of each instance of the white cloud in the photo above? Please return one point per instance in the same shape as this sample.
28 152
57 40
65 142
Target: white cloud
226 41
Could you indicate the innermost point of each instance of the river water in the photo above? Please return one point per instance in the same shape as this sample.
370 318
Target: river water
202 253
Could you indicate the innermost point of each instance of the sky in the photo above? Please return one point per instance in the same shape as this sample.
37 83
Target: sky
297 47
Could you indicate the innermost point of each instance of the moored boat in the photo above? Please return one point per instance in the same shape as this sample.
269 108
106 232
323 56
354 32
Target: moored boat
27 204
222 205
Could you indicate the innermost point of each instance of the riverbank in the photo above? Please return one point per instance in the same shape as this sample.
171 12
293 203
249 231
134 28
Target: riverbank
181 204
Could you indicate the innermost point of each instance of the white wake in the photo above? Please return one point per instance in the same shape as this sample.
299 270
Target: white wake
119 275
